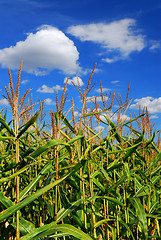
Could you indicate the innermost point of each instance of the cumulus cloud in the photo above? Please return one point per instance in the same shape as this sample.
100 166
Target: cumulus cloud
153 104
99 98
75 81
155 45
122 117
115 117
46 89
4 102
114 82
99 128
43 51
49 101
103 90
118 37
76 114
153 116
24 82
110 60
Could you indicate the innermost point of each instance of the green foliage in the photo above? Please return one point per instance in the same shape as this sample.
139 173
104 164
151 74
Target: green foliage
79 184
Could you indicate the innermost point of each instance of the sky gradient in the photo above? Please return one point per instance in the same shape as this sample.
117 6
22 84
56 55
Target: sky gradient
60 39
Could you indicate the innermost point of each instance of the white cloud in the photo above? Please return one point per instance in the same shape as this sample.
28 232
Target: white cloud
46 89
118 37
103 90
99 128
24 81
99 98
76 114
43 51
114 82
102 117
114 117
89 70
4 102
110 60
155 45
116 106
75 81
153 116
122 117
57 88
49 101
153 104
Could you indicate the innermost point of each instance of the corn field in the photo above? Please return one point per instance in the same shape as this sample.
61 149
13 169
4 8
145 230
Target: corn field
64 180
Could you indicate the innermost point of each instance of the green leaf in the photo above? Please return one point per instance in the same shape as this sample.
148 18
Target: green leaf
114 166
153 207
150 140
51 228
99 185
103 221
28 124
25 226
111 199
3 122
48 145
95 113
6 179
76 138
96 135
140 211
154 237
2 138
155 147
104 173
156 160
45 170
134 147
143 191
58 235
96 149
90 129
129 150
68 209
127 227
74 184
153 216
114 129
132 120
27 152
5 201
65 121
9 211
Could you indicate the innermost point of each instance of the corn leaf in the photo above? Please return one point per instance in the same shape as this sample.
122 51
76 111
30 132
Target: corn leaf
25 226
9 211
140 211
45 170
51 228
28 124
3 122
68 209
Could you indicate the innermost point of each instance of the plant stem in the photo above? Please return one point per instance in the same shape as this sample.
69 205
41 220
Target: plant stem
17 178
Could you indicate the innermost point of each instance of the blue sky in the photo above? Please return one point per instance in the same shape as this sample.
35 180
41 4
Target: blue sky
60 39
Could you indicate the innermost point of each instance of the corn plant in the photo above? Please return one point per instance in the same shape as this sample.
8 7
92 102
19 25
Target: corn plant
67 181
